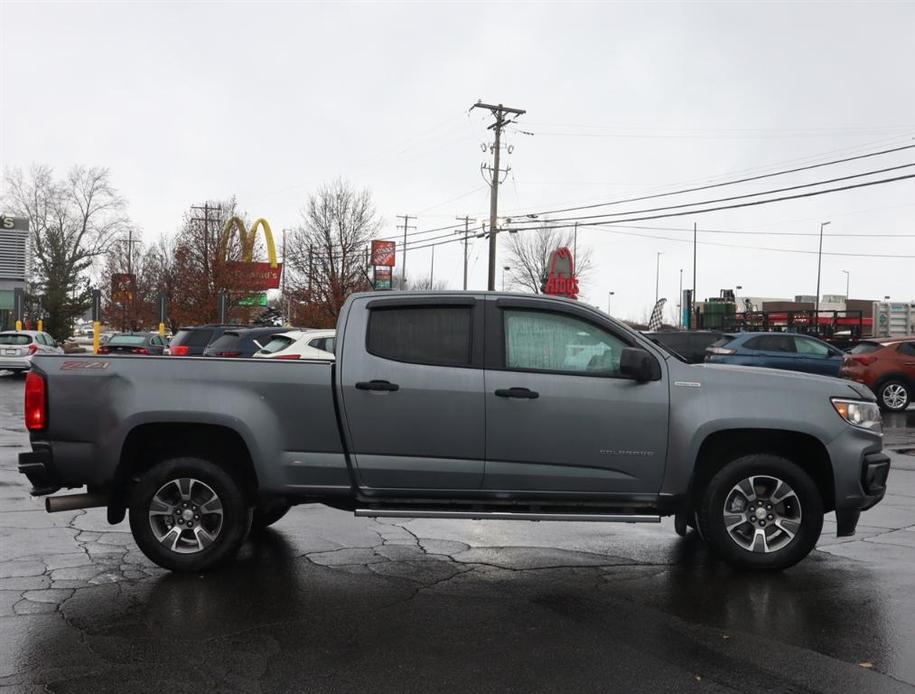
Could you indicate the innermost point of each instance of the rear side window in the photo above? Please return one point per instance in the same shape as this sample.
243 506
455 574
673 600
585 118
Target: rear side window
15 339
771 343
438 335
865 348
193 338
907 348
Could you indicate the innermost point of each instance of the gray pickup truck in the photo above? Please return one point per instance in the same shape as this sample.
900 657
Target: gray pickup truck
456 405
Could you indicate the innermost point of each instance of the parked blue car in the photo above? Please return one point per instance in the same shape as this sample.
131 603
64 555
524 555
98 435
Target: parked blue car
776 351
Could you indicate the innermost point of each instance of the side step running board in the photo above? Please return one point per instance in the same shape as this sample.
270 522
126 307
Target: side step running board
505 515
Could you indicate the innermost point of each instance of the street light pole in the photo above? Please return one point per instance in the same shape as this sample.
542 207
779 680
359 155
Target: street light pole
505 268
847 284
819 267
609 297
680 302
657 276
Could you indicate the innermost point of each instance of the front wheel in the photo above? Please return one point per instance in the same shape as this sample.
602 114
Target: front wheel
894 396
188 514
761 512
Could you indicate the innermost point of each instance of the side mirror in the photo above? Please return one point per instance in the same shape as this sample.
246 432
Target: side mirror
639 365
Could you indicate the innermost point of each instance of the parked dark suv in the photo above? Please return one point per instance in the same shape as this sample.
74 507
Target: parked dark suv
190 342
689 344
240 342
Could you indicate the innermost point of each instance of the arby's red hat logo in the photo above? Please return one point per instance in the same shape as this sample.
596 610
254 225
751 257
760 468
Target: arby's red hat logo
561 280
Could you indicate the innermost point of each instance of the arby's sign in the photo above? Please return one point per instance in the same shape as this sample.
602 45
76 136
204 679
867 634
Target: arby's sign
561 279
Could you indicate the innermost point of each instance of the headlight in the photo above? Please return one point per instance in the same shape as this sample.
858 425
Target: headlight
865 415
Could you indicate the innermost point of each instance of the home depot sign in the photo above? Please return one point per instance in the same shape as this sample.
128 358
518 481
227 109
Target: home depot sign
561 279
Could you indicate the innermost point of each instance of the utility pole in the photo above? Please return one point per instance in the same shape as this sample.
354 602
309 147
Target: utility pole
432 271
575 242
466 221
403 268
499 112
680 300
819 265
692 299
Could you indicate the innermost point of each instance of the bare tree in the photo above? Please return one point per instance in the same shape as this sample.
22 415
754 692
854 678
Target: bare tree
528 256
327 254
72 222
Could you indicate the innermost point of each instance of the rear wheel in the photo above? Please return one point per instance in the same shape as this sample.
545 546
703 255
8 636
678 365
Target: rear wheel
188 514
894 395
270 513
761 512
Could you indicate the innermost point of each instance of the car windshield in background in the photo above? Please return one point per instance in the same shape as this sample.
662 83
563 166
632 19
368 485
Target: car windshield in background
15 339
127 340
279 342
865 347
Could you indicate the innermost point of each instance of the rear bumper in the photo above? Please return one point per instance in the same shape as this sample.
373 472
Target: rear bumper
38 467
15 363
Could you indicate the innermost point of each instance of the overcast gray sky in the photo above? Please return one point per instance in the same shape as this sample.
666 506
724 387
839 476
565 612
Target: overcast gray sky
188 101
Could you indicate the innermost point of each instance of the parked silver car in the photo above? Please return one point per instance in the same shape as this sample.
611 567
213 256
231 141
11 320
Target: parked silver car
18 348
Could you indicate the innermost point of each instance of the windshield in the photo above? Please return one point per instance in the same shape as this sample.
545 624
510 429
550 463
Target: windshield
127 340
15 339
279 342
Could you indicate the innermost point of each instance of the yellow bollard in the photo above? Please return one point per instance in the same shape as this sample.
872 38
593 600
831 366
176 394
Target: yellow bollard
162 329
18 326
96 336
40 325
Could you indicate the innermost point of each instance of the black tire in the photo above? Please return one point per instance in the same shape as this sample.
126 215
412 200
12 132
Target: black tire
889 394
269 513
801 512
227 526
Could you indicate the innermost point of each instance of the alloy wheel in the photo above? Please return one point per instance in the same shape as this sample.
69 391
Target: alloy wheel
762 514
186 515
894 396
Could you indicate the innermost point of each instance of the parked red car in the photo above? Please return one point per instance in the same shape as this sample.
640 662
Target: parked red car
887 367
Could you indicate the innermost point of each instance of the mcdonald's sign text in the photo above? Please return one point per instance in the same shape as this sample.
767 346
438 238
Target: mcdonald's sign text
254 276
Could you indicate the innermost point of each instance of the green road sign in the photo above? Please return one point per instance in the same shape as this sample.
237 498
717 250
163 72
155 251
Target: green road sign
259 299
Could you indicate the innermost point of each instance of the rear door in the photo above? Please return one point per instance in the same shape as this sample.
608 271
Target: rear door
771 351
559 415
411 380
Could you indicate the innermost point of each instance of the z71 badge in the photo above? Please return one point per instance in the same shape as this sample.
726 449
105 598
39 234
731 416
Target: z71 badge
80 365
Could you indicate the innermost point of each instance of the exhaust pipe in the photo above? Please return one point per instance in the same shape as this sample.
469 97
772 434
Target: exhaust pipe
73 502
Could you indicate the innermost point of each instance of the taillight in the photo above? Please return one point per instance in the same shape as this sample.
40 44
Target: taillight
104 350
33 348
140 350
179 351
227 354
36 402
863 359
719 350
287 356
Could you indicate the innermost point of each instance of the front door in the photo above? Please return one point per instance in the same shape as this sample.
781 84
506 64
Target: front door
412 391
559 415
817 357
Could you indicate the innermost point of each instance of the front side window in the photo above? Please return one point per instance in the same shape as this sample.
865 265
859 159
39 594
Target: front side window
542 341
437 335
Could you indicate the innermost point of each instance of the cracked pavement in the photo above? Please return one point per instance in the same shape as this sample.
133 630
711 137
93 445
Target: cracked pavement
325 601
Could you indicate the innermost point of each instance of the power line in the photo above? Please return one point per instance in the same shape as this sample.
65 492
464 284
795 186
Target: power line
727 183
753 203
422 231
734 197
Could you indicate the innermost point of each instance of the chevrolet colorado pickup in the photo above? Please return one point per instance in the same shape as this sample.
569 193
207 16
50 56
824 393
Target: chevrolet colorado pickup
456 405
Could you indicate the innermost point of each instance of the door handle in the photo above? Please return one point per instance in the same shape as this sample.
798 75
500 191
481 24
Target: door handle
521 393
385 386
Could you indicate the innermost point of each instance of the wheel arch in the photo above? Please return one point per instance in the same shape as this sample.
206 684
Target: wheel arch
149 443
805 450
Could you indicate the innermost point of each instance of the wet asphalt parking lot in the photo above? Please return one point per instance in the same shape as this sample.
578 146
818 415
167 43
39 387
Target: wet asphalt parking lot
328 602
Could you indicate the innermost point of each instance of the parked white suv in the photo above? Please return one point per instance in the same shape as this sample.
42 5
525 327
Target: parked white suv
18 348
300 344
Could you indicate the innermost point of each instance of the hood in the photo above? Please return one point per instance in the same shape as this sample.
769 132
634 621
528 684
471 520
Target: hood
755 376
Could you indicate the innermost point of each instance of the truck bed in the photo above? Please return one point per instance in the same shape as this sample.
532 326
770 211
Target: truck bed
282 411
